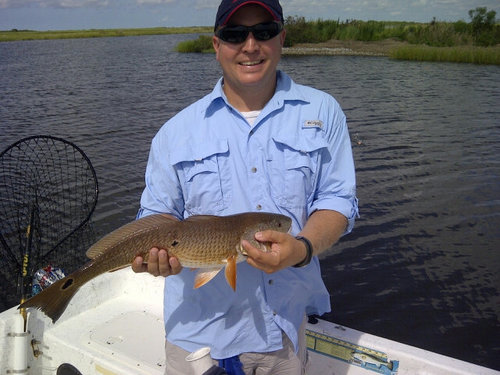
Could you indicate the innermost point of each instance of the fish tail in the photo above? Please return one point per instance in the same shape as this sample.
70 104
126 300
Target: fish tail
54 299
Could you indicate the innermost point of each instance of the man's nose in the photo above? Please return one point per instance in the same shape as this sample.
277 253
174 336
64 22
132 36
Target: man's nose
250 44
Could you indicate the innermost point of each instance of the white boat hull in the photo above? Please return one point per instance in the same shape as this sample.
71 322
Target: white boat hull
114 326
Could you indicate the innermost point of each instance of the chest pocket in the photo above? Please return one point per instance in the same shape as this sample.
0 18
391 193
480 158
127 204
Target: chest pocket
294 170
204 177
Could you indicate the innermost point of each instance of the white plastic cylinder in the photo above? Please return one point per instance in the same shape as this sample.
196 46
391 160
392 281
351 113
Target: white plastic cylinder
19 346
200 360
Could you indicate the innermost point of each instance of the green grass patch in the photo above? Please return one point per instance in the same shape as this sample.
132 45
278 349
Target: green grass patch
434 33
17 35
463 54
202 44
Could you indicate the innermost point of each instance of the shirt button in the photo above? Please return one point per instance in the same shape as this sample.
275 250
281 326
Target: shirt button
259 207
271 282
254 170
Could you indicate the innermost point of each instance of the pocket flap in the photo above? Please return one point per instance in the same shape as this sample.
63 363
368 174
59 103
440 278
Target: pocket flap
304 144
297 152
195 152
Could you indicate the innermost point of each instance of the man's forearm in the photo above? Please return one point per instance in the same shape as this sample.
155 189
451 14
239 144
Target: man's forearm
323 229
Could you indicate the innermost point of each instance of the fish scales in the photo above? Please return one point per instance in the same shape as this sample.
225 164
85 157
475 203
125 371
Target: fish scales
206 244
209 243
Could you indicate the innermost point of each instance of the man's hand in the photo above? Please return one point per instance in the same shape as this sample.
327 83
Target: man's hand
159 264
323 229
286 251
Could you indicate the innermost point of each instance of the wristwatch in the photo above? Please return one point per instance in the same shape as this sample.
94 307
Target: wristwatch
309 250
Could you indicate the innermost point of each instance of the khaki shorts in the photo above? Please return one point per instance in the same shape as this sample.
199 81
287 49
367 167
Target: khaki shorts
280 362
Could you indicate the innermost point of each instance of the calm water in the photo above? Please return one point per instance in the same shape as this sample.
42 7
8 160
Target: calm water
422 265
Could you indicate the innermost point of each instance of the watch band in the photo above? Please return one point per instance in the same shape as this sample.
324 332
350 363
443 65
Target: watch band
309 250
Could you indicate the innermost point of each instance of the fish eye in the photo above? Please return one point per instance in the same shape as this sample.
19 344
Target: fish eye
67 284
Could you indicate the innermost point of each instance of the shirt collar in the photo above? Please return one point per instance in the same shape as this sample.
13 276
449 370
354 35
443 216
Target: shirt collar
286 90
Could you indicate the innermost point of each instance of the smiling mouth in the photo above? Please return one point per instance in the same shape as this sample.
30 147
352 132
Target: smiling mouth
251 63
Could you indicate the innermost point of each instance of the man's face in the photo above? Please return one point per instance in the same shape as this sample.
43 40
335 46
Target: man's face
251 64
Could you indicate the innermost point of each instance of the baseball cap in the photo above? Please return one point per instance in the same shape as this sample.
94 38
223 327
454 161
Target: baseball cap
228 7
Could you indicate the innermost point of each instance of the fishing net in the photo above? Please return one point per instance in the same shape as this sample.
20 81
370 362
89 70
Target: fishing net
48 191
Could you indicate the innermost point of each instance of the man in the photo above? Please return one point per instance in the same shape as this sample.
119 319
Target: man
258 142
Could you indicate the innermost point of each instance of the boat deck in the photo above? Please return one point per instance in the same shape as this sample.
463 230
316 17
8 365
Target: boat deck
114 325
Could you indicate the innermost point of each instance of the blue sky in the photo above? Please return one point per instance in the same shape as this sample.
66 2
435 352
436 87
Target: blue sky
88 14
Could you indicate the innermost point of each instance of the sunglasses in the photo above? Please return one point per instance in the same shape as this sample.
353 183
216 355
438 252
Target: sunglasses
238 34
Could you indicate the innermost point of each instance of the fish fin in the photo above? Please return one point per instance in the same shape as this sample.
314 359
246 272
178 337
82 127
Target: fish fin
119 268
54 299
204 276
127 231
231 272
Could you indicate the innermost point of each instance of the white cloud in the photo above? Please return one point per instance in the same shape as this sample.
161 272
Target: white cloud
16 3
154 2
53 3
79 3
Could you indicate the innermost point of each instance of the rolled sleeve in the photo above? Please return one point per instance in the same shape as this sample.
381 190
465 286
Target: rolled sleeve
336 188
347 206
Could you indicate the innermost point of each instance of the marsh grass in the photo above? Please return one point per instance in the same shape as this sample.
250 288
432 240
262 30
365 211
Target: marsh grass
201 45
17 35
463 54
433 41
435 33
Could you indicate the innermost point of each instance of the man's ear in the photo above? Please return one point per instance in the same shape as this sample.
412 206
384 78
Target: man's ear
216 44
283 37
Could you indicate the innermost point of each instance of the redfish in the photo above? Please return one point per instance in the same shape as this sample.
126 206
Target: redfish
208 243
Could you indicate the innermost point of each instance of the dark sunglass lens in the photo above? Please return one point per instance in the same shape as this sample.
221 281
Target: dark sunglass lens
266 31
234 34
238 34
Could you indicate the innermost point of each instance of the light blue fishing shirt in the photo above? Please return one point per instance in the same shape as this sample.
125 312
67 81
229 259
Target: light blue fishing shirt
208 160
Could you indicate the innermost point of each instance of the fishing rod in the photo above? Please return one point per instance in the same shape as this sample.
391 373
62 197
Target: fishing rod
26 270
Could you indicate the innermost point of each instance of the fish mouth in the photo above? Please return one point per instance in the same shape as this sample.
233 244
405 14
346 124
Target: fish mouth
265 247
242 250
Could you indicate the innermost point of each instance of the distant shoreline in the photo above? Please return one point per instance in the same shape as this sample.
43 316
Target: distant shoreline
20 35
391 47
